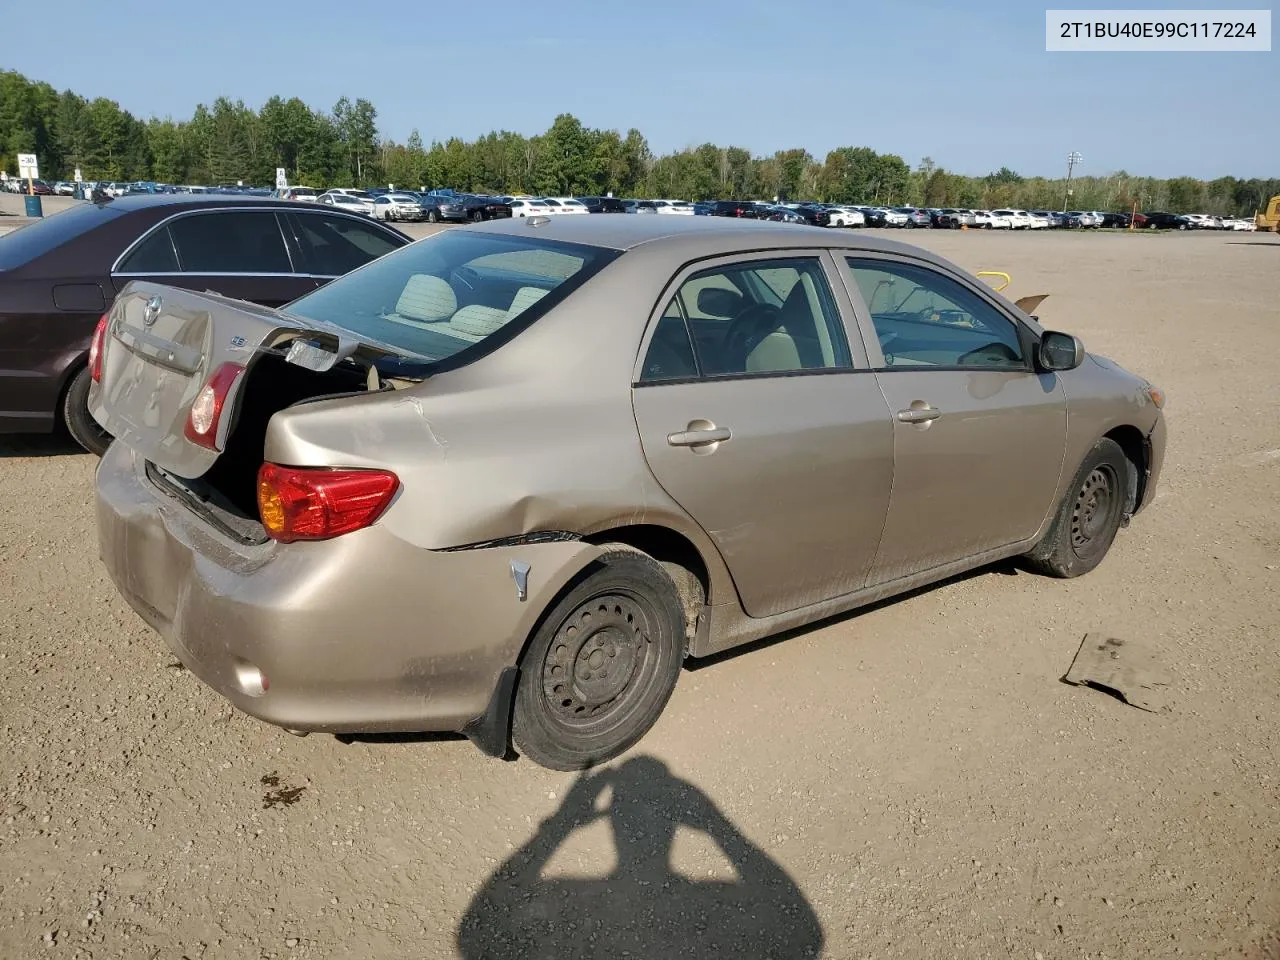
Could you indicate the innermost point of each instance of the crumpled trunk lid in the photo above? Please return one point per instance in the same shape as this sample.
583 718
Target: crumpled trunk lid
160 347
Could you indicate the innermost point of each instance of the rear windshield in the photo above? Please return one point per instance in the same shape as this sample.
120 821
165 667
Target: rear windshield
442 295
36 239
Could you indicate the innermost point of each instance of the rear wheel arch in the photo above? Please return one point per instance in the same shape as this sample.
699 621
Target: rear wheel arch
678 556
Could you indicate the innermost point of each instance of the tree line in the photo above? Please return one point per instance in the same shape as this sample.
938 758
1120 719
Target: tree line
228 142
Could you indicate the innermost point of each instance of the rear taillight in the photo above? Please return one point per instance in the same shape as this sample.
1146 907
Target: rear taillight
95 349
206 410
298 503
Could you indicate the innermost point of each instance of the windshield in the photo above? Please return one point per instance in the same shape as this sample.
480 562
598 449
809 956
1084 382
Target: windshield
438 297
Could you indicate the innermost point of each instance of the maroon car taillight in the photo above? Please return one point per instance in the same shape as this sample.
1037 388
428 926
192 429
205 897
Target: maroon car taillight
95 349
300 503
206 410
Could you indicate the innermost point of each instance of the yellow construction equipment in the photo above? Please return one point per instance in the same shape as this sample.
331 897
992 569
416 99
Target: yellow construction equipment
1270 220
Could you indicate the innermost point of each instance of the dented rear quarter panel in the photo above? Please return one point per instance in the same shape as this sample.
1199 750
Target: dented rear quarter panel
537 436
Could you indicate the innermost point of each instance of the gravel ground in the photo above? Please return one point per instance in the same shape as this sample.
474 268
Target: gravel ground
913 781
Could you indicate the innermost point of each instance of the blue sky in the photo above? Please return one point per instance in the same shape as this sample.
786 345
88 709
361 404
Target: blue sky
968 84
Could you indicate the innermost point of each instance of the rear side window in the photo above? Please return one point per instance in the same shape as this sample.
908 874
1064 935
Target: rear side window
230 242
154 255
337 245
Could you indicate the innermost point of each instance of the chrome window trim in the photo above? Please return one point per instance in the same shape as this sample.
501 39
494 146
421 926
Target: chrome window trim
255 208
203 273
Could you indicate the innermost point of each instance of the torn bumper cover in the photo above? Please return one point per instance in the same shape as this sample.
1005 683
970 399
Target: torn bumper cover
355 634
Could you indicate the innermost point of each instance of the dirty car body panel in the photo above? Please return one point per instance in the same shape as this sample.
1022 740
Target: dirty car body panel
544 435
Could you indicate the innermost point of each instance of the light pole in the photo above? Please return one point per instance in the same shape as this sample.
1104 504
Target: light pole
1072 159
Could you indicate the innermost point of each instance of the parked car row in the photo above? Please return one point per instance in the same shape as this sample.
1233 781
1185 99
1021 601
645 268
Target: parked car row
447 205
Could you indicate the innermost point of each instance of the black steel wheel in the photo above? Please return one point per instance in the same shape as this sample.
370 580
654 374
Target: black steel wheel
477 216
602 665
1089 515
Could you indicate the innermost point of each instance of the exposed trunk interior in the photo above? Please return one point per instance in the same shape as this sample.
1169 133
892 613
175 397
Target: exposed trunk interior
227 494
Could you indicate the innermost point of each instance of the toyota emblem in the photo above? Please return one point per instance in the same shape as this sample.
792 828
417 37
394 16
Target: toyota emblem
151 311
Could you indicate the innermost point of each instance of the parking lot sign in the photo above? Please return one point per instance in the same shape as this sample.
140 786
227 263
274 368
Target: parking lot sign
28 168
282 178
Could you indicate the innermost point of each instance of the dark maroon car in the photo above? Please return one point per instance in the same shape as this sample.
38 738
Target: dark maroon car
60 274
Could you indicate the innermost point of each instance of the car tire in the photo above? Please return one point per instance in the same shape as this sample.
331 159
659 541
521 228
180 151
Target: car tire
433 216
77 420
1089 516
601 666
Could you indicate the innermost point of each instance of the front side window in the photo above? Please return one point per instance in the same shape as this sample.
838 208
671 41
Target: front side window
762 317
230 242
923 318
442 295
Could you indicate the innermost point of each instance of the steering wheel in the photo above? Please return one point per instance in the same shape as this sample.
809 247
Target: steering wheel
746 330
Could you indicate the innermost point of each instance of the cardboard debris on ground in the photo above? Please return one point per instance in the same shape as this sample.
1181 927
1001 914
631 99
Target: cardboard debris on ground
1122 667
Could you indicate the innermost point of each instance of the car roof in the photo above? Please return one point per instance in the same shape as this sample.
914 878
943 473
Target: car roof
706 236
144 201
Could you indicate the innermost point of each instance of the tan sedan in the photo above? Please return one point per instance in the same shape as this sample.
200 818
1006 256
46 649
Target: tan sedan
506 479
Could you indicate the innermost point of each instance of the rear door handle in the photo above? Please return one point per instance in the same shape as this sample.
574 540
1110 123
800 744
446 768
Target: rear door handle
698 438
919 414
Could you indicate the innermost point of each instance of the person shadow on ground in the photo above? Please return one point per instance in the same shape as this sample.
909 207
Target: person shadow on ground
642 909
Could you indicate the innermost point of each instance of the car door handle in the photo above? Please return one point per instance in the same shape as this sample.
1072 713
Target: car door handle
919 414
698 438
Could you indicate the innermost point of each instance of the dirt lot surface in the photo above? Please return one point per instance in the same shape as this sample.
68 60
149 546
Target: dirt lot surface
913 781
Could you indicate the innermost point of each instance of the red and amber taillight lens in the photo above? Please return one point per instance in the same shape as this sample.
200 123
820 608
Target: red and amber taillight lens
299 503
205 415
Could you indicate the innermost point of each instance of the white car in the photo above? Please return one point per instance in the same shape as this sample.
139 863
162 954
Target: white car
892 218
309 194
349 192
681 207
1018 219
1086 218
1038 221
845 217
1238 223
564 206
397 206
987 220
571 205
528 207
347 202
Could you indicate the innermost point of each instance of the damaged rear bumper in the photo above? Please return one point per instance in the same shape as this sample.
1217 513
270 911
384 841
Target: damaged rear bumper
363 633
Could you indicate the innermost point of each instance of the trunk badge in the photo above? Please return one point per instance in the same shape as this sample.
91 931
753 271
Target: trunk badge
151 311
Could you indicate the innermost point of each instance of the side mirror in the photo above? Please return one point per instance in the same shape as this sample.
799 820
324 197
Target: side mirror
1060 351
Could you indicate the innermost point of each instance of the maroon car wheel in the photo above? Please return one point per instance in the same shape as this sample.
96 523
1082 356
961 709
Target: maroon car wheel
76 418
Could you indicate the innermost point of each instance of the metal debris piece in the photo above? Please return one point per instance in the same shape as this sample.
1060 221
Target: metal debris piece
1120 667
